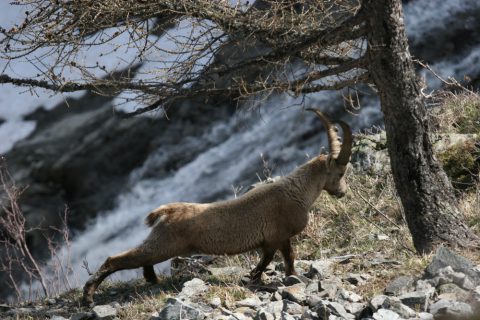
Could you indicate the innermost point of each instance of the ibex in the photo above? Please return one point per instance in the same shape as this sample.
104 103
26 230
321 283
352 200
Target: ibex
266 217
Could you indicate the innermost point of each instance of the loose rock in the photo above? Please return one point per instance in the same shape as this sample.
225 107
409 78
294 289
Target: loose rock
291 280
251 302
264 315
355 279
399 285
215 302
451 291
354 308
275 308
339 310
444 257
416 299
394 304
104 312
377 302
445 307
192 288
295 293
177 309
348 295
319 269
329 287
384 314
291 307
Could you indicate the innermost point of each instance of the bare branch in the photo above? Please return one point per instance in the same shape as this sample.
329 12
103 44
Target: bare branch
363 78
100 86
244 89
228 50
316 75
323 38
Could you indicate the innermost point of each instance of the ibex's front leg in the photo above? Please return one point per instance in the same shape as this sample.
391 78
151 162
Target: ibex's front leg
267 257
130 259
289 257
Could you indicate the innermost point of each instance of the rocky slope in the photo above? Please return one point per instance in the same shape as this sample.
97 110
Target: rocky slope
449 288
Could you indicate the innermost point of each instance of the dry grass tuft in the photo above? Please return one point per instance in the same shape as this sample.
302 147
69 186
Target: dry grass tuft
367 220
228 293
141 308
457 113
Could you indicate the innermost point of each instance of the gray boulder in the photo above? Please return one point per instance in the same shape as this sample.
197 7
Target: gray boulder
377 301
295 293
319 268
399 285
416 299
104 312
444 257
252 302
385 314
262 314
177 309
448 308
338 309
394 304
193 288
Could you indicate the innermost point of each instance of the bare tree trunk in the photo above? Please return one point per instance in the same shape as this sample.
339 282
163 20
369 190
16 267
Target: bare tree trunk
426 193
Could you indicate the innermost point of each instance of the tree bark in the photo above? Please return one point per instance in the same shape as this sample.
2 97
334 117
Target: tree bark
426 194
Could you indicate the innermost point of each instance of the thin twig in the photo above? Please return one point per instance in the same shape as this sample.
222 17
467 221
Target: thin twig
450 82
377 210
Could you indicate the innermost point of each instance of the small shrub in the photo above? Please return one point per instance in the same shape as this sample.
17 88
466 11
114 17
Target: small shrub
461 162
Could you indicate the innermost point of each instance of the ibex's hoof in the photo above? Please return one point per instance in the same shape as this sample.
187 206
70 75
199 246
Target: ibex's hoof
87 301
154 280
255 278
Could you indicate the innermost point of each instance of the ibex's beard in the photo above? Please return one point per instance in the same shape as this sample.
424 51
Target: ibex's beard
337 194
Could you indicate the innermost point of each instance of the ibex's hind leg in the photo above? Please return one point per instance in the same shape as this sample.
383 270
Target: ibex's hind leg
267 257
149 274
289 257
130 259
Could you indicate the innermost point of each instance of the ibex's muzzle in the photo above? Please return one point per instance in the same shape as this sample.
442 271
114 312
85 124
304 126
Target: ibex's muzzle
340 194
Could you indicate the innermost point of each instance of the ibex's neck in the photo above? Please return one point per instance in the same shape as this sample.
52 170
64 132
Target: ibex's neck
309 179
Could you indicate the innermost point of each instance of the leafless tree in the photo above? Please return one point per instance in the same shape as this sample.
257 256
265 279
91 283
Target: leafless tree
23 270
13 237
249 50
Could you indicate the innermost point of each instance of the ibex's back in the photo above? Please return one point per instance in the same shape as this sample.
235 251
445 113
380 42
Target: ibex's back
265 217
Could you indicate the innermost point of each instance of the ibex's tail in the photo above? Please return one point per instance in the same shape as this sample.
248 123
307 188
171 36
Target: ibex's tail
153 216
170 211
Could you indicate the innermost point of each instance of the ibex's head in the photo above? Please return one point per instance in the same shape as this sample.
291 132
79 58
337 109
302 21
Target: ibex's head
339 157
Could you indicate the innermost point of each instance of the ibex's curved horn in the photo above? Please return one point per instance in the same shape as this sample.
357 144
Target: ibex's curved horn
346 151
333 142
